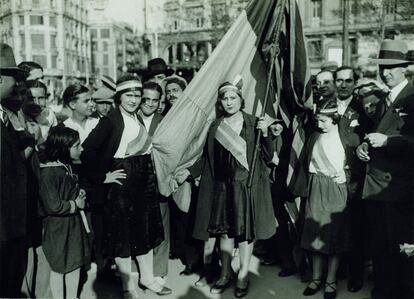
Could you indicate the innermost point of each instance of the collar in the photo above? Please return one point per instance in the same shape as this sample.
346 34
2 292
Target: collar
396 90
144 117
344 102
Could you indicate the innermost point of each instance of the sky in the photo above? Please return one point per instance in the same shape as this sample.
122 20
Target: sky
124 10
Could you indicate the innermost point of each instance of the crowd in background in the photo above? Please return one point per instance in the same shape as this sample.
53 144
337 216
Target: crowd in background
79 190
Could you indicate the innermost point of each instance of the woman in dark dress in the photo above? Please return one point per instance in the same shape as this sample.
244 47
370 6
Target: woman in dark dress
132 217
226 208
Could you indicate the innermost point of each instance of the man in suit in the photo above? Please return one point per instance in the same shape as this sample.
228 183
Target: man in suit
387 191
353 120
151 96
326 85
13 200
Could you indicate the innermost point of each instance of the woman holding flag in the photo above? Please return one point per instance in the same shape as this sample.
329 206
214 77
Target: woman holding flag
133 224
227 208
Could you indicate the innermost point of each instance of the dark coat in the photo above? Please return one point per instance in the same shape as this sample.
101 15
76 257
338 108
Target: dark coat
65 241
99 149
156 119
13 201
264 219
390 171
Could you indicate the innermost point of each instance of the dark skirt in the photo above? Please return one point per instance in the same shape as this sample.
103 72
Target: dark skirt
327 220
132 216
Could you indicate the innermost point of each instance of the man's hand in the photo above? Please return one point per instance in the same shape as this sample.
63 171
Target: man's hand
115 177
376 139
181 176
362 152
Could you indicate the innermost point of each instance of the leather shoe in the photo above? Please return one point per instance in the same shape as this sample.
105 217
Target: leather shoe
242 288
354 286
287 272
222 284
190 269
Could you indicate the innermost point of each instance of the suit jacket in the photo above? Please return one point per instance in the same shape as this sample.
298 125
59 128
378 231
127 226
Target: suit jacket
156 119
261 198
390 171
354 123
13 201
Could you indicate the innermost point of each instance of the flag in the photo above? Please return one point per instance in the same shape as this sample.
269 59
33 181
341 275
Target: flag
179 140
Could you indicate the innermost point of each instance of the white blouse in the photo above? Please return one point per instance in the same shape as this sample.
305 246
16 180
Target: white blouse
130 132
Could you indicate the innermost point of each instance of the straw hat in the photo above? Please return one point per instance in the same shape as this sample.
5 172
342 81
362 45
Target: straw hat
8 65
392 52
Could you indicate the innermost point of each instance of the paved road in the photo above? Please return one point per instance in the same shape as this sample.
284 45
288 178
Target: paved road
264 284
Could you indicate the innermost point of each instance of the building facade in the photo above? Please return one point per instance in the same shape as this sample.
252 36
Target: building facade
322 21
53 33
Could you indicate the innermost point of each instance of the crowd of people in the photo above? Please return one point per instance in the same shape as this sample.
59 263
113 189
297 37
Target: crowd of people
79 188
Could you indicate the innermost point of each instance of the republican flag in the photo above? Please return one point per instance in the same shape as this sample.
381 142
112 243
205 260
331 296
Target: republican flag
179 140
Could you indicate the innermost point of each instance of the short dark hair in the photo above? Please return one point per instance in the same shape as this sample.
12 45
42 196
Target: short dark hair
153 86
72 91
35 84
328 104
29 66
174 79
58 144
346 67
117 96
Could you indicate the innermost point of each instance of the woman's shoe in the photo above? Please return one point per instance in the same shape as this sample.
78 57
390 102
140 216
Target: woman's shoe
332 293
242 287
222 284
130 294
309 291
155 287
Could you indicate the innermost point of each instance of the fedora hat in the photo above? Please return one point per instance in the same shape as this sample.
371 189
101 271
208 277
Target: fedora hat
155 67
392 52
8 65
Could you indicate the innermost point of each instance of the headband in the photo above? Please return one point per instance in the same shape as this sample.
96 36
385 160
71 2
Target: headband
229 87
327 111
128 85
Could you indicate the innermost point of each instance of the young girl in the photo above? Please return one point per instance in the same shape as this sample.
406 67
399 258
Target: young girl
227 209
326 232
65 241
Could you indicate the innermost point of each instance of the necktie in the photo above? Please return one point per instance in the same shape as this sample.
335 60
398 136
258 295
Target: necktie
388 101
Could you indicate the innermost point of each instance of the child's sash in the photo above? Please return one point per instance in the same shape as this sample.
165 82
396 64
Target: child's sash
232 142
141 144
321 161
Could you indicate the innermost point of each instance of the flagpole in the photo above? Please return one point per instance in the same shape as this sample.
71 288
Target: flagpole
274 52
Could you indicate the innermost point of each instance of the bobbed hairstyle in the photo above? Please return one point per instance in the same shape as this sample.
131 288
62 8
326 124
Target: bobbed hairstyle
328 108
72 92
221 92
118 94
58 144
152 86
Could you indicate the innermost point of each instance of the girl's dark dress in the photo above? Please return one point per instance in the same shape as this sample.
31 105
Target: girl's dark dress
65 241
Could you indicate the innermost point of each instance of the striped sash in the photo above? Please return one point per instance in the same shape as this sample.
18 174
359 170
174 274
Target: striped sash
232 142
141 144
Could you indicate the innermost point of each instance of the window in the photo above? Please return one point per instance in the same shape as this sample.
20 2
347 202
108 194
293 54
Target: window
315 50
36 3
52 21
54 61
93 33
53 43
175 25
105 59
104 46
36 20
22 41
105 33
38 41
21 20
40 59
94 46
199 22
316 8
105 71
